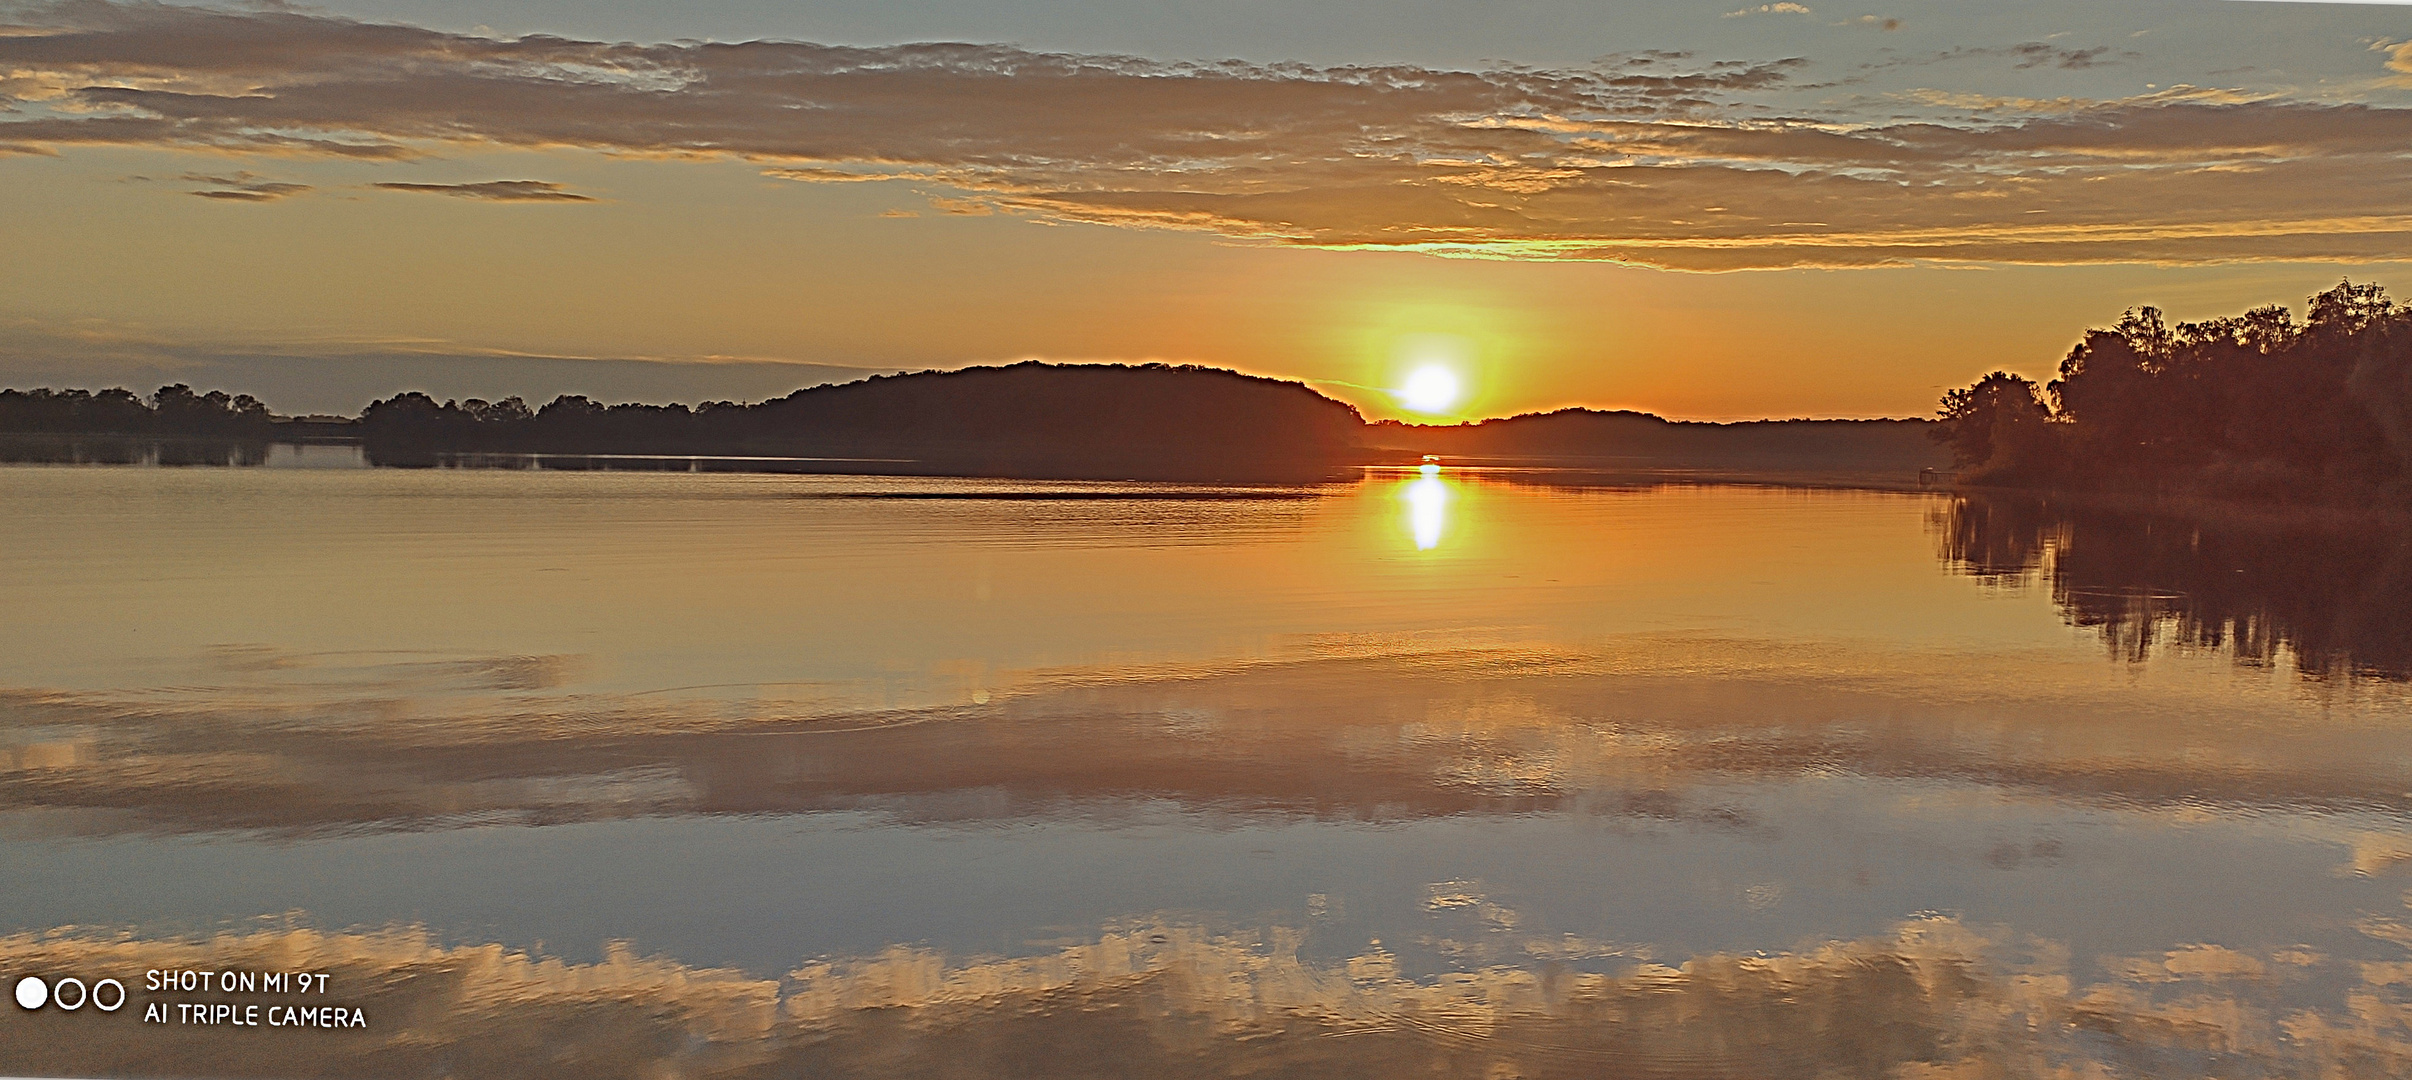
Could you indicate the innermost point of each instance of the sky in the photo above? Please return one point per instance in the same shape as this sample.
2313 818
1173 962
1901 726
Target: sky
1699 208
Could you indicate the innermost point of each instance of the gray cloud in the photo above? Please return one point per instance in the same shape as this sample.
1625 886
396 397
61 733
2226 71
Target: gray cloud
243 187
2024 55
1654 159
2038 54
498 191
1786 8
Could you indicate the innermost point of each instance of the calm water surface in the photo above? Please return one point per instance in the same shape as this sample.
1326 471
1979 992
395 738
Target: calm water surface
596 773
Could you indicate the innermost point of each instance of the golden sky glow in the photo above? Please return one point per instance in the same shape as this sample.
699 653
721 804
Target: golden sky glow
321 211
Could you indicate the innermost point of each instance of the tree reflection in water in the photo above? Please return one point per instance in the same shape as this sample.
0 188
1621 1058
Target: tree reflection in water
129 450
2332 591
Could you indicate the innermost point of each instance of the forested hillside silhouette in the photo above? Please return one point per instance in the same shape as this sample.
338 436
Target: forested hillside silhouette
1031 419
2256 406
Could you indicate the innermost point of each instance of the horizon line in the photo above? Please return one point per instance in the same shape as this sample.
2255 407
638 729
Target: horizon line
1308 384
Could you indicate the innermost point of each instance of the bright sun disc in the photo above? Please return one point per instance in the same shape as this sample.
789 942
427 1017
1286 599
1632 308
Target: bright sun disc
1430 389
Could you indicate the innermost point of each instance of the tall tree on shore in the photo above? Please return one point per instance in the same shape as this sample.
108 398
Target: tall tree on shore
1996 427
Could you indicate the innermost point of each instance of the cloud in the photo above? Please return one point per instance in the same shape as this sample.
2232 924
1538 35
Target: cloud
1614 161
2025 55
2038 54
1769 9
243 187
497 191
843 176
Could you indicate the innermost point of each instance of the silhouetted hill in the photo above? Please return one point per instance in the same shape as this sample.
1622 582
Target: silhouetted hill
1032 419
1639 441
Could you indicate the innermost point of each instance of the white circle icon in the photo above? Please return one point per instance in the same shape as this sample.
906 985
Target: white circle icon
32 992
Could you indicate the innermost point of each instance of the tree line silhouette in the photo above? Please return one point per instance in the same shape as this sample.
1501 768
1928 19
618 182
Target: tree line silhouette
2254 406
170 411
1033 419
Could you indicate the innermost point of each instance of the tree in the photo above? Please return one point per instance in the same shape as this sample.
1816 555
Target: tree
1998 426
2349 309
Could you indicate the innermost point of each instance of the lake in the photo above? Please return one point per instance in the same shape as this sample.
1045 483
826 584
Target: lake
656 773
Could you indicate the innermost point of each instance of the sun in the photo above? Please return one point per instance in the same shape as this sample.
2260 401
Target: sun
1429 389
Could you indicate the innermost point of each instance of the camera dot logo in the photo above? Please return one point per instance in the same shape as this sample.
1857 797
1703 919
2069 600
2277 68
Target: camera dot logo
70 994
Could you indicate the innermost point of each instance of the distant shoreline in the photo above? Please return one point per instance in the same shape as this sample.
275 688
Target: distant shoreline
119 449
1030 420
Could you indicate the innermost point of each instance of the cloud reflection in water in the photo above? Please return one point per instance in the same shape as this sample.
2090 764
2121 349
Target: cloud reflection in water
2032 777
1931 998
1345 727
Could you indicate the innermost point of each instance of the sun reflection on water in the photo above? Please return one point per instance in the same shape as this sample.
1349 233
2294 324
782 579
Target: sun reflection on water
1427 501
